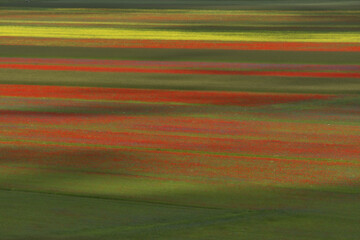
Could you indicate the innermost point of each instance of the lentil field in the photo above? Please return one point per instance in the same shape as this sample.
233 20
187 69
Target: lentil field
179 120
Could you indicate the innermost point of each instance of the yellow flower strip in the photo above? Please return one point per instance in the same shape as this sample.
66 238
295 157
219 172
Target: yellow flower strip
118 33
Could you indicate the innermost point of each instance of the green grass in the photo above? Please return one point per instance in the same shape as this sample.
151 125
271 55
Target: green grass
182 81
261 215
183 55
47 216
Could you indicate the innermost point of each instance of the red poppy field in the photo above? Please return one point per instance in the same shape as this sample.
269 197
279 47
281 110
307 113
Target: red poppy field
179 123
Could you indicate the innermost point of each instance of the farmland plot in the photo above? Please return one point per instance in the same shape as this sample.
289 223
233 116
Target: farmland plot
179 123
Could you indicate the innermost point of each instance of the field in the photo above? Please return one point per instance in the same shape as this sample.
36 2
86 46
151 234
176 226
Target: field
179 120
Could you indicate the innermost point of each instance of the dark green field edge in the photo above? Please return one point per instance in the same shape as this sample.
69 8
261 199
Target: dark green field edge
106 197
182 81
188 4
205 55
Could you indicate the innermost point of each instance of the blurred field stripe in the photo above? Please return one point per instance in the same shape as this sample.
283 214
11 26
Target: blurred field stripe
183 64
180 71
172 44
143 95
